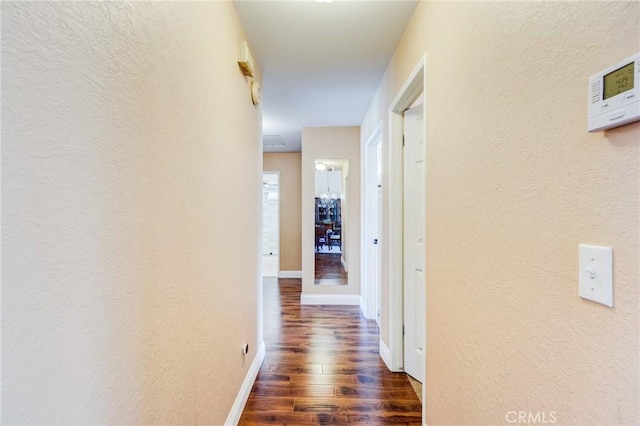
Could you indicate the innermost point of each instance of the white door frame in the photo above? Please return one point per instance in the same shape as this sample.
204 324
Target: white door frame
369 190
412 88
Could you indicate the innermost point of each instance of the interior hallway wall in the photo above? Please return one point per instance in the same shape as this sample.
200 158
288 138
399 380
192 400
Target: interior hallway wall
331 143
288 164
131 182
514 184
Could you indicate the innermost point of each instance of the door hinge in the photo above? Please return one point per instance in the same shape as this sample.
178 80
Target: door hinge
402 330
403 140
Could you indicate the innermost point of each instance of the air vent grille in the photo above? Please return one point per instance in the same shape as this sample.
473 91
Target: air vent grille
273 141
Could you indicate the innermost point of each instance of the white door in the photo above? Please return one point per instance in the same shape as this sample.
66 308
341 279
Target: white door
414 255
371 214
377 273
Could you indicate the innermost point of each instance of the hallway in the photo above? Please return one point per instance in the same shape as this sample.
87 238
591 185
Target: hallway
322 367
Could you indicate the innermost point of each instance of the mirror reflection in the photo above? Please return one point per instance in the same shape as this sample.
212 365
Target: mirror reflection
330 200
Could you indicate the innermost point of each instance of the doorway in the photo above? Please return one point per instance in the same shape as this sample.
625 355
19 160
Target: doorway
270 224
400 275
371 220
414 255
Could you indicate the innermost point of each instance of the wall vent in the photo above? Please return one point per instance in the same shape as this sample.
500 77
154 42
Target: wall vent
273 141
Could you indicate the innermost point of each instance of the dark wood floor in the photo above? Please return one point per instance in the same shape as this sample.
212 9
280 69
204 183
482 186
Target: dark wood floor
322 367
329 269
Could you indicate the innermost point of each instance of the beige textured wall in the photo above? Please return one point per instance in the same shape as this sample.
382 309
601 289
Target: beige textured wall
131 181
514 184
331 143
288 164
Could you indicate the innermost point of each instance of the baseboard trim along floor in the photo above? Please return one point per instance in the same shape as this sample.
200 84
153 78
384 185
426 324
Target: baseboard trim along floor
290 274
241 399
385 354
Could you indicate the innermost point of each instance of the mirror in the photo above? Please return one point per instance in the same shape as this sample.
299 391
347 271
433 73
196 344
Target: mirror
331 255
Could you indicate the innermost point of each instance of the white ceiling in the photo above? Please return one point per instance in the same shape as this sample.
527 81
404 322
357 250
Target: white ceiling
321 62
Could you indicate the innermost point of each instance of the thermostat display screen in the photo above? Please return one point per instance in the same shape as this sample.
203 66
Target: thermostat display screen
618 81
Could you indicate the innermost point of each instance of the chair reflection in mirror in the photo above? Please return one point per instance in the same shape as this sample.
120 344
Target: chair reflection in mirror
333 238
321 236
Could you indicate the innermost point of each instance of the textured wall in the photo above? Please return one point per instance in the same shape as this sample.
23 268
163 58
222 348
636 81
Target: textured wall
288 164
331 143
514 184
131 203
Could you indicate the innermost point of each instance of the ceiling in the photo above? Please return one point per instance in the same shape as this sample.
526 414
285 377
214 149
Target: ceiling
321 62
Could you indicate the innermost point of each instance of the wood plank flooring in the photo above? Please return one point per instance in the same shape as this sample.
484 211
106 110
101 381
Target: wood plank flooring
322 367
329 269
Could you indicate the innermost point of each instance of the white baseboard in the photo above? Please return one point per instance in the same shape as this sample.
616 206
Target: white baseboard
385 354
290 274
362 307
241 399
330 299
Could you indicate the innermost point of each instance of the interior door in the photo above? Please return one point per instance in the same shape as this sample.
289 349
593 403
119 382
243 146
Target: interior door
372 228
414 254
377 282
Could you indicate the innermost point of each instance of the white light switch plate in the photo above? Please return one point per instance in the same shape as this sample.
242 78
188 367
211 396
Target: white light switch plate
596 274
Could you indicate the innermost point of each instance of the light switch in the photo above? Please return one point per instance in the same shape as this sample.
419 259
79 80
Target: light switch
596 274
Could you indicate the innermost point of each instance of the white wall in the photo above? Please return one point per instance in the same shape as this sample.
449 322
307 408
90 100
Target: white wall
131 203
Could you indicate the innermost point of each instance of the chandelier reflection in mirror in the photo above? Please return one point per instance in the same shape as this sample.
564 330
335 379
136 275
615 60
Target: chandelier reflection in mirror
328 194
329 204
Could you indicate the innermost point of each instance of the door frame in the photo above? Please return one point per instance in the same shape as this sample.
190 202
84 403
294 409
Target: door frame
369 302
410 91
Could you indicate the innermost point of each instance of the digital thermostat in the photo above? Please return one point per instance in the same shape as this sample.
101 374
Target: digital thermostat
614 95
